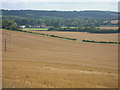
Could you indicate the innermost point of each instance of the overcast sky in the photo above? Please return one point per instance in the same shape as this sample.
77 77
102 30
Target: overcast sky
59 0
62 5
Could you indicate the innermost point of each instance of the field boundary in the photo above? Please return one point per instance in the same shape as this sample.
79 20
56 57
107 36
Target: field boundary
107 42
73 39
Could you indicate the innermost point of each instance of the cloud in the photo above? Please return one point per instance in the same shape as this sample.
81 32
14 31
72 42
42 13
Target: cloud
60 1
111 6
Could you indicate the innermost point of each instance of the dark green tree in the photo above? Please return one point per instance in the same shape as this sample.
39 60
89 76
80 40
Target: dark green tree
11 25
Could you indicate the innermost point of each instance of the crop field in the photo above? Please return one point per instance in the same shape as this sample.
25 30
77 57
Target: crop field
84 35
67 27
35 61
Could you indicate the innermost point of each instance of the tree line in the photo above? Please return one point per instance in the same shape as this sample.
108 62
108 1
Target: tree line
106 15
85 29
60 18
11 25
83 21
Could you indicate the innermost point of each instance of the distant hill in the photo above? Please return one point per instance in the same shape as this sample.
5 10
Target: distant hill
60 18
104 15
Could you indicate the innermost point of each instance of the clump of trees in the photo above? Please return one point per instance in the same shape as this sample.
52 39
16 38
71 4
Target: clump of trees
55 21
10 25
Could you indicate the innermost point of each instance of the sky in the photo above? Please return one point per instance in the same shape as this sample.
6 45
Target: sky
60 0
61 5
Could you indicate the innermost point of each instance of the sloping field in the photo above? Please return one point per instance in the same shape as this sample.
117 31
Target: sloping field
36 61
84 35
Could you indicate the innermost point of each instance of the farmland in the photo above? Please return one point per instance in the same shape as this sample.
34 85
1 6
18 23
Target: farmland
84 35
37 29
37 61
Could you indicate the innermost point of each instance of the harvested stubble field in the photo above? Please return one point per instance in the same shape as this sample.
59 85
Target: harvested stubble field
84 35
36 61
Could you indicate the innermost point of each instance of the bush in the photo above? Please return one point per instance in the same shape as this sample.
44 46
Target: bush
10 25
51 29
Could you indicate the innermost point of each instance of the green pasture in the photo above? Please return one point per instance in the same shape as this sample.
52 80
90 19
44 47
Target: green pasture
42 29
69 27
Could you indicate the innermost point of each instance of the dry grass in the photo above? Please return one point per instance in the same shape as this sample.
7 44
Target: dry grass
84 35
45 62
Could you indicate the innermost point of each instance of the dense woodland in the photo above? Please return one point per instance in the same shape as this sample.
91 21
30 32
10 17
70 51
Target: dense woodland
58 19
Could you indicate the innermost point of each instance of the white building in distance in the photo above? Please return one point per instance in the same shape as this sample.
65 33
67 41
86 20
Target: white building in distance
22 26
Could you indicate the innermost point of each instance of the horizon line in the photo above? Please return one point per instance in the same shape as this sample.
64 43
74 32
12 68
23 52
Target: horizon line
60 10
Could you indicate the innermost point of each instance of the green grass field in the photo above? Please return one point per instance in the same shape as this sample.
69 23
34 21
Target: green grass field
69 27
43 29
37 29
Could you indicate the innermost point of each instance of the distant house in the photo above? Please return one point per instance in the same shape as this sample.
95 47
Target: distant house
105 22
37 26
114 22
43 26
111 22
22 26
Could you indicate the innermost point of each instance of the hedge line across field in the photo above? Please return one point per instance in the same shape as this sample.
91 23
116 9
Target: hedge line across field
91 41
85 29
47 35
100 42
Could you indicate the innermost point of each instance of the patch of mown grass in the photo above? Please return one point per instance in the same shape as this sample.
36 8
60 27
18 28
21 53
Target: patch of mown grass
37 29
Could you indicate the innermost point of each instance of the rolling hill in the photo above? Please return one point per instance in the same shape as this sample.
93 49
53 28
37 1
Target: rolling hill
63 14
